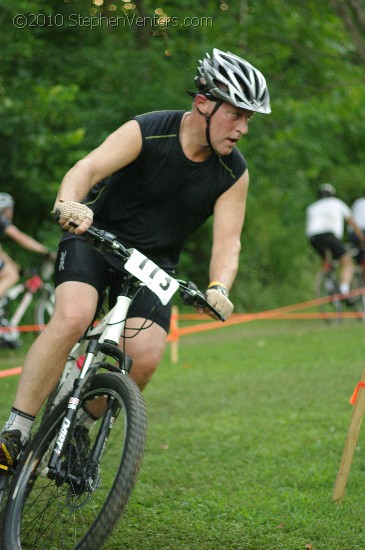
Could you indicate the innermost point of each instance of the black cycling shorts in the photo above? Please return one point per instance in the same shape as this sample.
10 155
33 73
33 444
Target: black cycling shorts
76 261
328 241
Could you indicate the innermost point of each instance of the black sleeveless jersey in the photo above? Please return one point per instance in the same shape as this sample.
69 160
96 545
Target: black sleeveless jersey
158 200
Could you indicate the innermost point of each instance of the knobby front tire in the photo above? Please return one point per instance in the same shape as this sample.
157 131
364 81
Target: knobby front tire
41 513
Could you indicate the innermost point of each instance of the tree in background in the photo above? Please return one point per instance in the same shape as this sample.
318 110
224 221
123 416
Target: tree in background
352 13
65 87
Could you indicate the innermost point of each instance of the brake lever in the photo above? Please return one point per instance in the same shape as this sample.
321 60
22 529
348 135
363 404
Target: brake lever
192 296
108 241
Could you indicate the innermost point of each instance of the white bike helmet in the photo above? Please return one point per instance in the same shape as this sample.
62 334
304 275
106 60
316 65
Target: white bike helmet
326 190
229 78
6 201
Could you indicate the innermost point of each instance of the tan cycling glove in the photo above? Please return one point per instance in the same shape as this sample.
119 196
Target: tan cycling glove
74 210
220 301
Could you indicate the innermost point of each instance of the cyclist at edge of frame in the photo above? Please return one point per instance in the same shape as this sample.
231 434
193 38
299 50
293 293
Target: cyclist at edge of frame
152 183
358 213
325 225
9 269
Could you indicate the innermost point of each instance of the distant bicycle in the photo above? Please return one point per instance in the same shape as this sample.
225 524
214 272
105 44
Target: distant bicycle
36 288
327 285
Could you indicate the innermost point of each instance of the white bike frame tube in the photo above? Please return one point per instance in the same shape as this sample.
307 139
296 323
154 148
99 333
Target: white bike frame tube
21 309
109 328
113 324
112 327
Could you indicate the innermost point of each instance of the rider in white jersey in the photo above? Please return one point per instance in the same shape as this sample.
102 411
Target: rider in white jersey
358 213
325 224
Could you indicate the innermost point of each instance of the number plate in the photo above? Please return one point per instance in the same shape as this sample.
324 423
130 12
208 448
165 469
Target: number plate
152 276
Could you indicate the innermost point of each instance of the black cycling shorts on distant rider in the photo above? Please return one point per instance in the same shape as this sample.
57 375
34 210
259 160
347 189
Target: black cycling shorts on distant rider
76 261
326 241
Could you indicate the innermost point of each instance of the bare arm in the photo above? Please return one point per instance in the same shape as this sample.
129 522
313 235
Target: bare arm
356 229
229 214
25 240
120 149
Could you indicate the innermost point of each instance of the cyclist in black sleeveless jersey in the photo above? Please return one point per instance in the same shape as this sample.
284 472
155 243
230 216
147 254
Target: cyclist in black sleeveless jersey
152 183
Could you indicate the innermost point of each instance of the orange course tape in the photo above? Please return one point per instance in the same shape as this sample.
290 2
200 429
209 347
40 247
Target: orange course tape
23 328
10 372
281 312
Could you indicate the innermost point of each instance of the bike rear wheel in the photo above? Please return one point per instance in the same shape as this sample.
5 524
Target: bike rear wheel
327 286
81 509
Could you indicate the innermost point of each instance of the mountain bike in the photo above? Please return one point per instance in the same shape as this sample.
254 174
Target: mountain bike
35 288
71 486
327 285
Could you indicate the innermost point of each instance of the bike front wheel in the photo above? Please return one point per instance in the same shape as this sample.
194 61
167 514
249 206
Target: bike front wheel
98 472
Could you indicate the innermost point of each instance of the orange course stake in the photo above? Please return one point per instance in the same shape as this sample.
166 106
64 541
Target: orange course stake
174 335
358 401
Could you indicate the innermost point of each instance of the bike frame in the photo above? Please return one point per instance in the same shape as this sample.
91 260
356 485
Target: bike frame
330 266
29 288
329 275
108 329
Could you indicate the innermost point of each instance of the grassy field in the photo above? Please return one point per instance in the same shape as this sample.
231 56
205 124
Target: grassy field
246 434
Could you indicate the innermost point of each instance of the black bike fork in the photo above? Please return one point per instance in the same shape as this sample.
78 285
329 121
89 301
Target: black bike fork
107 423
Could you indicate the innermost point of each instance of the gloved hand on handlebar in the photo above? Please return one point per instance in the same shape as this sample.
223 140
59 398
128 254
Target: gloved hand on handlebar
217 296
70 211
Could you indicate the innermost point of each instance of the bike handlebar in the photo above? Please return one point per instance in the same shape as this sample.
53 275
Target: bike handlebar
107 242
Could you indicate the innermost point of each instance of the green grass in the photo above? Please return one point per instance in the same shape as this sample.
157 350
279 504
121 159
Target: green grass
245 439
